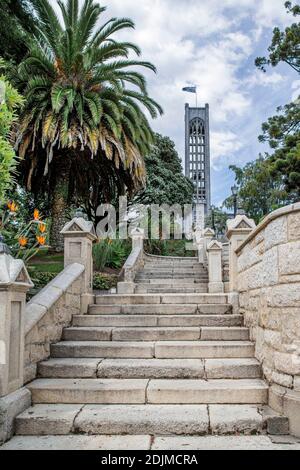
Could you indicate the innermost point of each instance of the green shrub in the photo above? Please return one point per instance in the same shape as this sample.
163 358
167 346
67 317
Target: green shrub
109 254
104 281
168 248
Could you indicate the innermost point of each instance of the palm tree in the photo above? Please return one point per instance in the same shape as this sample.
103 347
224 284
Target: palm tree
83 129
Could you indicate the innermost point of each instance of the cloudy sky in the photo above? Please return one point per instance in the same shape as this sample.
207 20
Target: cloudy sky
212 44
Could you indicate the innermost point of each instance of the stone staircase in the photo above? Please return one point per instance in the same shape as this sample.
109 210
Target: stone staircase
172 275
156 364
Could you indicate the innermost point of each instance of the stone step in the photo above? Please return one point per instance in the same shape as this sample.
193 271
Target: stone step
167 419
77 391
161 309
102 349
132 334
187 265
84 443
150 368
72 368
147 350
113 305
159 443
157 320
203 349
218 391
170 275
177 263
179 368
137 391
129 420
173 260
87 334
173 282
172 290
154 299
156 334
224 334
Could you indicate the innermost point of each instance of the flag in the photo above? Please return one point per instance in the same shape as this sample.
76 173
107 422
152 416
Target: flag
190 89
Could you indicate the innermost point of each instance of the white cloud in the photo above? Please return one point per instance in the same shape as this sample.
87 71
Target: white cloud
260 78
224 146
296 88
203 44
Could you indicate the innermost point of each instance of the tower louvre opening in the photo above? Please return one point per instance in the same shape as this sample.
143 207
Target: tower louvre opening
197 158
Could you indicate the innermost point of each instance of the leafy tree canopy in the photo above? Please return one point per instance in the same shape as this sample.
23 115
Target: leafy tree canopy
282 131
10 100
217 219
278 128
166 183
84 130
285 44
260 192
16 20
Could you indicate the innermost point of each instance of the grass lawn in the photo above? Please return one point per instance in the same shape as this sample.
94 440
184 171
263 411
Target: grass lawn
46 262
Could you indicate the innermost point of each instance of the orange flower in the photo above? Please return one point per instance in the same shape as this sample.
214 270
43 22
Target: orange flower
42 227
36 214
41 240
23 241
12 206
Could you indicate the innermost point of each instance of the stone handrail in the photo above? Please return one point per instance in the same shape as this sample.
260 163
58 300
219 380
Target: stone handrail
268 283
133 264
48 313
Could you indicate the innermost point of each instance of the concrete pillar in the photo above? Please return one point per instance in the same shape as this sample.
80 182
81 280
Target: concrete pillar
208 236
14 284
79 236
137 236
199 244
238 230
214 253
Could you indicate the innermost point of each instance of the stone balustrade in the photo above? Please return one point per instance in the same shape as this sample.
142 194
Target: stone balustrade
27 330
48 313
265 270
133 264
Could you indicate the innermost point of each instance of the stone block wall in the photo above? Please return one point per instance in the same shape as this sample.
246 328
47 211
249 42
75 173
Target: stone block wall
269 292
48 313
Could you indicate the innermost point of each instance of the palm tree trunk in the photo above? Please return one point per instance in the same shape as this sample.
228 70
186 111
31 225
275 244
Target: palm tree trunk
59 202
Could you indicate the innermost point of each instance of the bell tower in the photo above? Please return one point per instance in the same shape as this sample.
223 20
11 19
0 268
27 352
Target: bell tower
197 154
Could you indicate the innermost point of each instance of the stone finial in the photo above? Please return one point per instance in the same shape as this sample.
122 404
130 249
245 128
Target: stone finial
137 235
214 253
241 223
214 245
79 226
238 230
14 284
13 272
209 233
